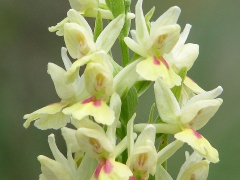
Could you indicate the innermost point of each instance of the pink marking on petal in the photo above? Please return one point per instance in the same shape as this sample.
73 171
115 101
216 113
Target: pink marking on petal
107 168
156 61
98 169
88 100
132 178
199 136
97 103
165 62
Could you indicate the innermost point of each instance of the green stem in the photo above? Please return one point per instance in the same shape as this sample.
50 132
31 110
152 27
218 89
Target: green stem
177 90
162 144
124 33
151 114
98 26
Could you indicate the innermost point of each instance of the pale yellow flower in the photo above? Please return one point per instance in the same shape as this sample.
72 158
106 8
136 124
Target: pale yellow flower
191 117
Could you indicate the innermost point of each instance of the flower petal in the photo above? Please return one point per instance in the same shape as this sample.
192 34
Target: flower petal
59 27
161 173
198 114
78 40
112 170
109 35
168 18
147 136
42 177
70 139
94 141
135 47
198 171
199 143
142 34
149 70
187 56
43 112
66 61
99 110
86 168
167 104
54 121
99 78
58 155
130 134
181 41
194 167
78 5
143 160
73 72
163 39
52 169
115 105
204 96
192 85
76 17
122 80
168 151
105 14
64 91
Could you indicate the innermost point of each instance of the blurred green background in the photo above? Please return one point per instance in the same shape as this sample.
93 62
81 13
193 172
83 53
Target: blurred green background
26 47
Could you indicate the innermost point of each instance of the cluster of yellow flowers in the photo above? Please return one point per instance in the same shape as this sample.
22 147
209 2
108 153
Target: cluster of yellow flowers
105 143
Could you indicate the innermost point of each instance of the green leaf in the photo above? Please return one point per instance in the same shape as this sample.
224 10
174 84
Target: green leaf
116 67
158 135
151 114
135 57
158 120
124 47
151 177
129 104
142 86
163 143
148 16
178 89
116 7
98 26
124 33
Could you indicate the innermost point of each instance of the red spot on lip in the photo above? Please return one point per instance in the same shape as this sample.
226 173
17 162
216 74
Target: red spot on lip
98 169
165 62
91 99
97 103
132 178
199 136
107 167
156 61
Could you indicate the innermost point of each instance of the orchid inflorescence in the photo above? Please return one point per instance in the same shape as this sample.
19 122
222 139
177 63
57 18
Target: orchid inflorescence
103 142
